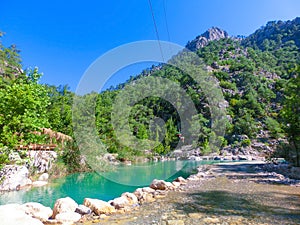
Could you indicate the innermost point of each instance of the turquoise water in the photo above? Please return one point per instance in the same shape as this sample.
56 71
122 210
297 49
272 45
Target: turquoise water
104 186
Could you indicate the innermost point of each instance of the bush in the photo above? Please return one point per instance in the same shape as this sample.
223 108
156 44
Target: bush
246 142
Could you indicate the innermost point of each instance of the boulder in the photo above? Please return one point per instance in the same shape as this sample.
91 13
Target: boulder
68 217
81 209
14 214
132 199
14 177
181 180
148 190
159 185
43 177
98 206
37 210
176 184
120 202
64 205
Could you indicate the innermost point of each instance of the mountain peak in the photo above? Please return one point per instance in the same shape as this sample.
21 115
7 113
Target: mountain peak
211 34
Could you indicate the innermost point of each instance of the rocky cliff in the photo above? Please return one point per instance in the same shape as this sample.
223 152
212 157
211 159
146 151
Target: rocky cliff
202 40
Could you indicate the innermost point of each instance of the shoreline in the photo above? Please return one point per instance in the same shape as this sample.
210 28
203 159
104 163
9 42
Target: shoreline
159 189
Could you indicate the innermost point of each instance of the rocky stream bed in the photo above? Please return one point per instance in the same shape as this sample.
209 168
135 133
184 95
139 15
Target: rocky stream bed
221 194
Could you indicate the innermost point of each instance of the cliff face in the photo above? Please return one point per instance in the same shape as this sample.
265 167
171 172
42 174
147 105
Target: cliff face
202 40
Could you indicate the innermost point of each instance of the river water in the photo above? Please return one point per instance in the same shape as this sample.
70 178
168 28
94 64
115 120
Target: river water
104 186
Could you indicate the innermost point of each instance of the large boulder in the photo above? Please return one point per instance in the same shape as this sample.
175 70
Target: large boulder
14 177
63 205
132 199
144 194
98 206
14 214
161 185
37 210
120 202
68 217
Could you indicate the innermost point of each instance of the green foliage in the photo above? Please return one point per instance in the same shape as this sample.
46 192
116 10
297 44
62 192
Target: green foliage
23 109
291 114
274 127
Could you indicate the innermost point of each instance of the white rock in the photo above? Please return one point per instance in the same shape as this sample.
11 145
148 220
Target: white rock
120 202
68 217
37 210
44 177
14 214
82 209
132 199
64 205
99 206
14 177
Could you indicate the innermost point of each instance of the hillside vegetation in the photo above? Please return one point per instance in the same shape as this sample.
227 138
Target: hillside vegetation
258 76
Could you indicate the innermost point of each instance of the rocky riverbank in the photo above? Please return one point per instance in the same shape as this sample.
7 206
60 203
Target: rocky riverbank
231 193
238 193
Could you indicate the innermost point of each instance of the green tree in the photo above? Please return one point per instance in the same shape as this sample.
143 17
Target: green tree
291 113
23 110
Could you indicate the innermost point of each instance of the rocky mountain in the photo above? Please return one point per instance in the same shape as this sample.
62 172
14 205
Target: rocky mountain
202 40
275 34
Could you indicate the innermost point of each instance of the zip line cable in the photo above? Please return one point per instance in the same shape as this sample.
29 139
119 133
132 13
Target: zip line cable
156 30
165 14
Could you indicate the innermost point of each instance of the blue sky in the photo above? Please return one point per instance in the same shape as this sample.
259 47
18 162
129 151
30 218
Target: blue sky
62 38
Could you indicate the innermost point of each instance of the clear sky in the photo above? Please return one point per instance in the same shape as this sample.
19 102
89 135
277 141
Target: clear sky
62 38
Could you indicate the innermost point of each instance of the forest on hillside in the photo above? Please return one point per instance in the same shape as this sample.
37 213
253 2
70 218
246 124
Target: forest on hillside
259 80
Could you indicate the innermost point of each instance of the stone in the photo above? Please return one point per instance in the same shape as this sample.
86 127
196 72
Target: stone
82 209
68 217
64 205
211 220
181 180
176 184
195 215
175 222
159 185
42 160
14 214
98 206
43 177
37 210
14 156
39 183
132 199
148 190
14 177
242 157
120 202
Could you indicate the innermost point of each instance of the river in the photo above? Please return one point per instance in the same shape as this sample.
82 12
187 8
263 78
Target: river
104 186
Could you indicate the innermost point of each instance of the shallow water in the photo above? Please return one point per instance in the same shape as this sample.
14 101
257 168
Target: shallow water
104 186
